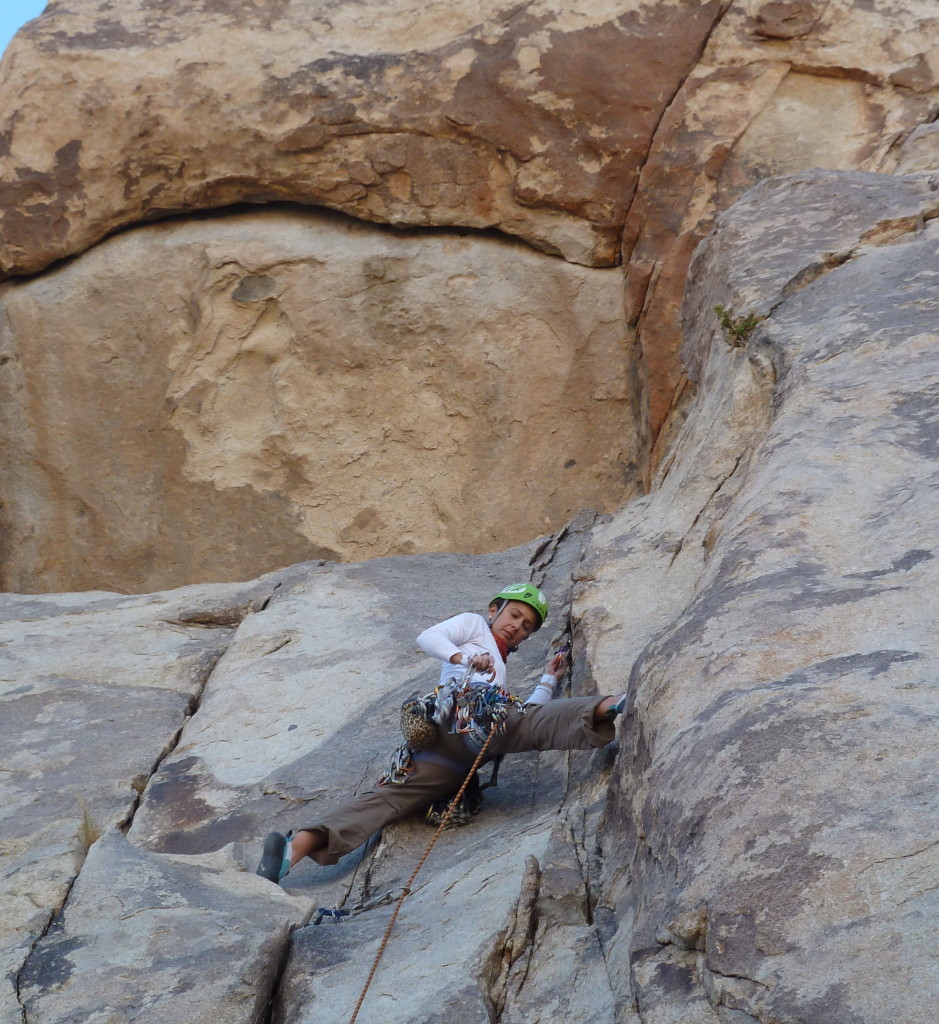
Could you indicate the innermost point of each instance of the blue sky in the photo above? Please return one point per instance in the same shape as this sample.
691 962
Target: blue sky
14 13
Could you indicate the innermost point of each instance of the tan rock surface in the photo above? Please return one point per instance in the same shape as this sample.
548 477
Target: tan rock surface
595 131
782 86
600 132
533 119
211 399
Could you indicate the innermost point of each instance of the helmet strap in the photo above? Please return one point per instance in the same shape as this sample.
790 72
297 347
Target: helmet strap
503 650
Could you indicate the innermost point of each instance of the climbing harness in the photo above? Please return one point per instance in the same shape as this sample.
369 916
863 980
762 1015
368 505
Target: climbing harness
406 888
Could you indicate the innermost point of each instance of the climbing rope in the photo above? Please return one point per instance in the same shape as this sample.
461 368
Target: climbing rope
407 885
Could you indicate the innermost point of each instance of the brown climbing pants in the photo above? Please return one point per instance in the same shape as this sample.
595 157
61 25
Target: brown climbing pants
562 724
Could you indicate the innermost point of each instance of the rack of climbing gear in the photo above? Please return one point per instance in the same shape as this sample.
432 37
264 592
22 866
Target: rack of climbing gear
406 888
476 710
480 709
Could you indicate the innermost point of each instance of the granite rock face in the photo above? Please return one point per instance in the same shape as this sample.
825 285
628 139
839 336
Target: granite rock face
165 922
308 385
94 690
759 845
774 813
180 942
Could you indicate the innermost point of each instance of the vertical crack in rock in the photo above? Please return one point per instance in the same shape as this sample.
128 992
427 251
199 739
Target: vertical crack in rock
553 563
270 1014
568 775
511 943
707 504
215 618
51 921
549 934
583 864
592 893
666 109
141 781
360 880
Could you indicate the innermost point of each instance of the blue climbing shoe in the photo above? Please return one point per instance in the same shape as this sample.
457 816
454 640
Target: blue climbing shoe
275 859
615 709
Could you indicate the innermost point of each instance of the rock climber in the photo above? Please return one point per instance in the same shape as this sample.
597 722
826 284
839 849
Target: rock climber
463 718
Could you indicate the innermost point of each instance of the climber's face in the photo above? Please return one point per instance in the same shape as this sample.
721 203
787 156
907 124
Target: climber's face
514 622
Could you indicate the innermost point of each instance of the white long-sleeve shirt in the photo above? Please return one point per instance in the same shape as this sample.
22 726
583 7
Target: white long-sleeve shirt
469 634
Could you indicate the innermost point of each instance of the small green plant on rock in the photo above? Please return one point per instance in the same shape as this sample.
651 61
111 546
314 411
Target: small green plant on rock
89 831
737 329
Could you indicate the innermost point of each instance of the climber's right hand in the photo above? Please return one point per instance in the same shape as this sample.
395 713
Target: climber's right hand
484 663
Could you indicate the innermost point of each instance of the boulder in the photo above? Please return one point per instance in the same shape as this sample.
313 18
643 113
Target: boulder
533 120
210 399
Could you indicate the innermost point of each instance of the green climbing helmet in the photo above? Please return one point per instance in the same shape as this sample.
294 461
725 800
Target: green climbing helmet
528 594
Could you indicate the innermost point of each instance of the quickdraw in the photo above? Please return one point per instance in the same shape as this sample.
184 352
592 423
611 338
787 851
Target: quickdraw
339 914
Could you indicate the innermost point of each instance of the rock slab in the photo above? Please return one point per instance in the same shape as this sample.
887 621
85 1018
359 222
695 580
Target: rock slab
774 799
